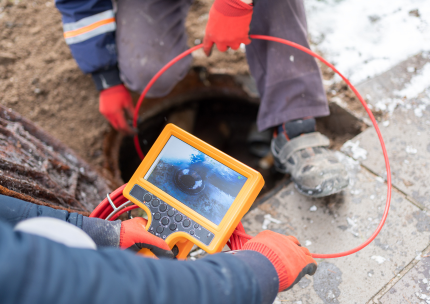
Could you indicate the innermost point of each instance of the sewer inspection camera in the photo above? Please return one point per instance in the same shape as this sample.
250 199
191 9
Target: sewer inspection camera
195 194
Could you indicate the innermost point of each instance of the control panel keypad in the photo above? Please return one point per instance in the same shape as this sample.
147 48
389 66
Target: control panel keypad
167 220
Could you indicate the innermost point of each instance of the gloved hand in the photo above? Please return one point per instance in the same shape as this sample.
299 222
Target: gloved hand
134 236
114 103
290 260
228 25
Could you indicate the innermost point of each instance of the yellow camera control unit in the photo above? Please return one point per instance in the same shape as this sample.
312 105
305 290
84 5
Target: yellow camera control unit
192 192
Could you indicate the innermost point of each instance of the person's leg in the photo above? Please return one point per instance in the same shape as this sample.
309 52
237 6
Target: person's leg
292 94
149 34
289 81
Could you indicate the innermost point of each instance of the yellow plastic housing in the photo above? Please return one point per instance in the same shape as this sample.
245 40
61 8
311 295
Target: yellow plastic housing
237 210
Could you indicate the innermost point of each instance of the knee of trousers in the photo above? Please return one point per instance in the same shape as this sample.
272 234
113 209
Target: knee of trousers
137 76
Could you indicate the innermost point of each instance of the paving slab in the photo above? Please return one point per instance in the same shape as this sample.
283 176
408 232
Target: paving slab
341 222
413 288
407 138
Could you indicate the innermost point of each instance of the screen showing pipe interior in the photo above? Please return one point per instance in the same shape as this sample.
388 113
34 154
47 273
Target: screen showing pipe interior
195 179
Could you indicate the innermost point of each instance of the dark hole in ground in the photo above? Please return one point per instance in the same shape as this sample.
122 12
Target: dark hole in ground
222 122
225 124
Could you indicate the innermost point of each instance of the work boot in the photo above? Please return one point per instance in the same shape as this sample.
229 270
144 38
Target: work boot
303 153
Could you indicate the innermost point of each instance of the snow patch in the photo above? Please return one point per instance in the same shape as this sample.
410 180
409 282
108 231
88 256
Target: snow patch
269 219
380 179
418 111
378 259
356 151
417 85
411 150
361 37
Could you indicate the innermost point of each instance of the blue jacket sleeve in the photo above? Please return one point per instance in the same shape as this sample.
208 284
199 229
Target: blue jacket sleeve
104 233
13 210
89 30
36 270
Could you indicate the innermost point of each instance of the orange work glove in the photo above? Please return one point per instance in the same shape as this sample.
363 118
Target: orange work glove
133 236
114 103
290 260
228 25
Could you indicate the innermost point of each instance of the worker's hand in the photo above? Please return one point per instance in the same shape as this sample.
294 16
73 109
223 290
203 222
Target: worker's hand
115 103
133 236
290 260
228 25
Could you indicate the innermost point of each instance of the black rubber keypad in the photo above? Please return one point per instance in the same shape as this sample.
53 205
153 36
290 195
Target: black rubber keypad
178 217
163 215
147 197
155 202
165 221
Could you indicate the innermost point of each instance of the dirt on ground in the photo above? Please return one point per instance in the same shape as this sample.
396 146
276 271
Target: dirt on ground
40 79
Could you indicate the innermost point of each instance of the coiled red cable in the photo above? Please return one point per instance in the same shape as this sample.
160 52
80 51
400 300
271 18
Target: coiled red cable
239 237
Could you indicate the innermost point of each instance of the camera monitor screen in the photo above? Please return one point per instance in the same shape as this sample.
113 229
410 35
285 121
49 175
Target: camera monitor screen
195 179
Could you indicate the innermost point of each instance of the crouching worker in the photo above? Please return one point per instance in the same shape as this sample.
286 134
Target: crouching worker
35 269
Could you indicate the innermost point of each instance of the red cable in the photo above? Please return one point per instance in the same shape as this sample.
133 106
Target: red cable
239 237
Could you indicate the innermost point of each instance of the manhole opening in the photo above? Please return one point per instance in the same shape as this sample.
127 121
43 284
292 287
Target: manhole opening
225 123
222 122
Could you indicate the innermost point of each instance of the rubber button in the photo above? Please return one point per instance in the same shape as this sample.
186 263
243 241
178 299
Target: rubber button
155 203
157 216
196 226
147 197
172 226
178 217
192 232
163 207
160 229
171 212
186 223
165 221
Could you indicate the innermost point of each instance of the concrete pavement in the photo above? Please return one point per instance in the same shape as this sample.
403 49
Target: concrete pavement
395 267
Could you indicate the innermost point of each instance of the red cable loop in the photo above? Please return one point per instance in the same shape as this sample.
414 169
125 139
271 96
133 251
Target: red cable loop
239 237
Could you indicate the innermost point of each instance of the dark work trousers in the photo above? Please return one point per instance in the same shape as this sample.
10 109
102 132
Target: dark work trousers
152 32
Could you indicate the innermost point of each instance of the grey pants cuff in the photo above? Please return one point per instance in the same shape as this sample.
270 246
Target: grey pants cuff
292 99
276 119
104 233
